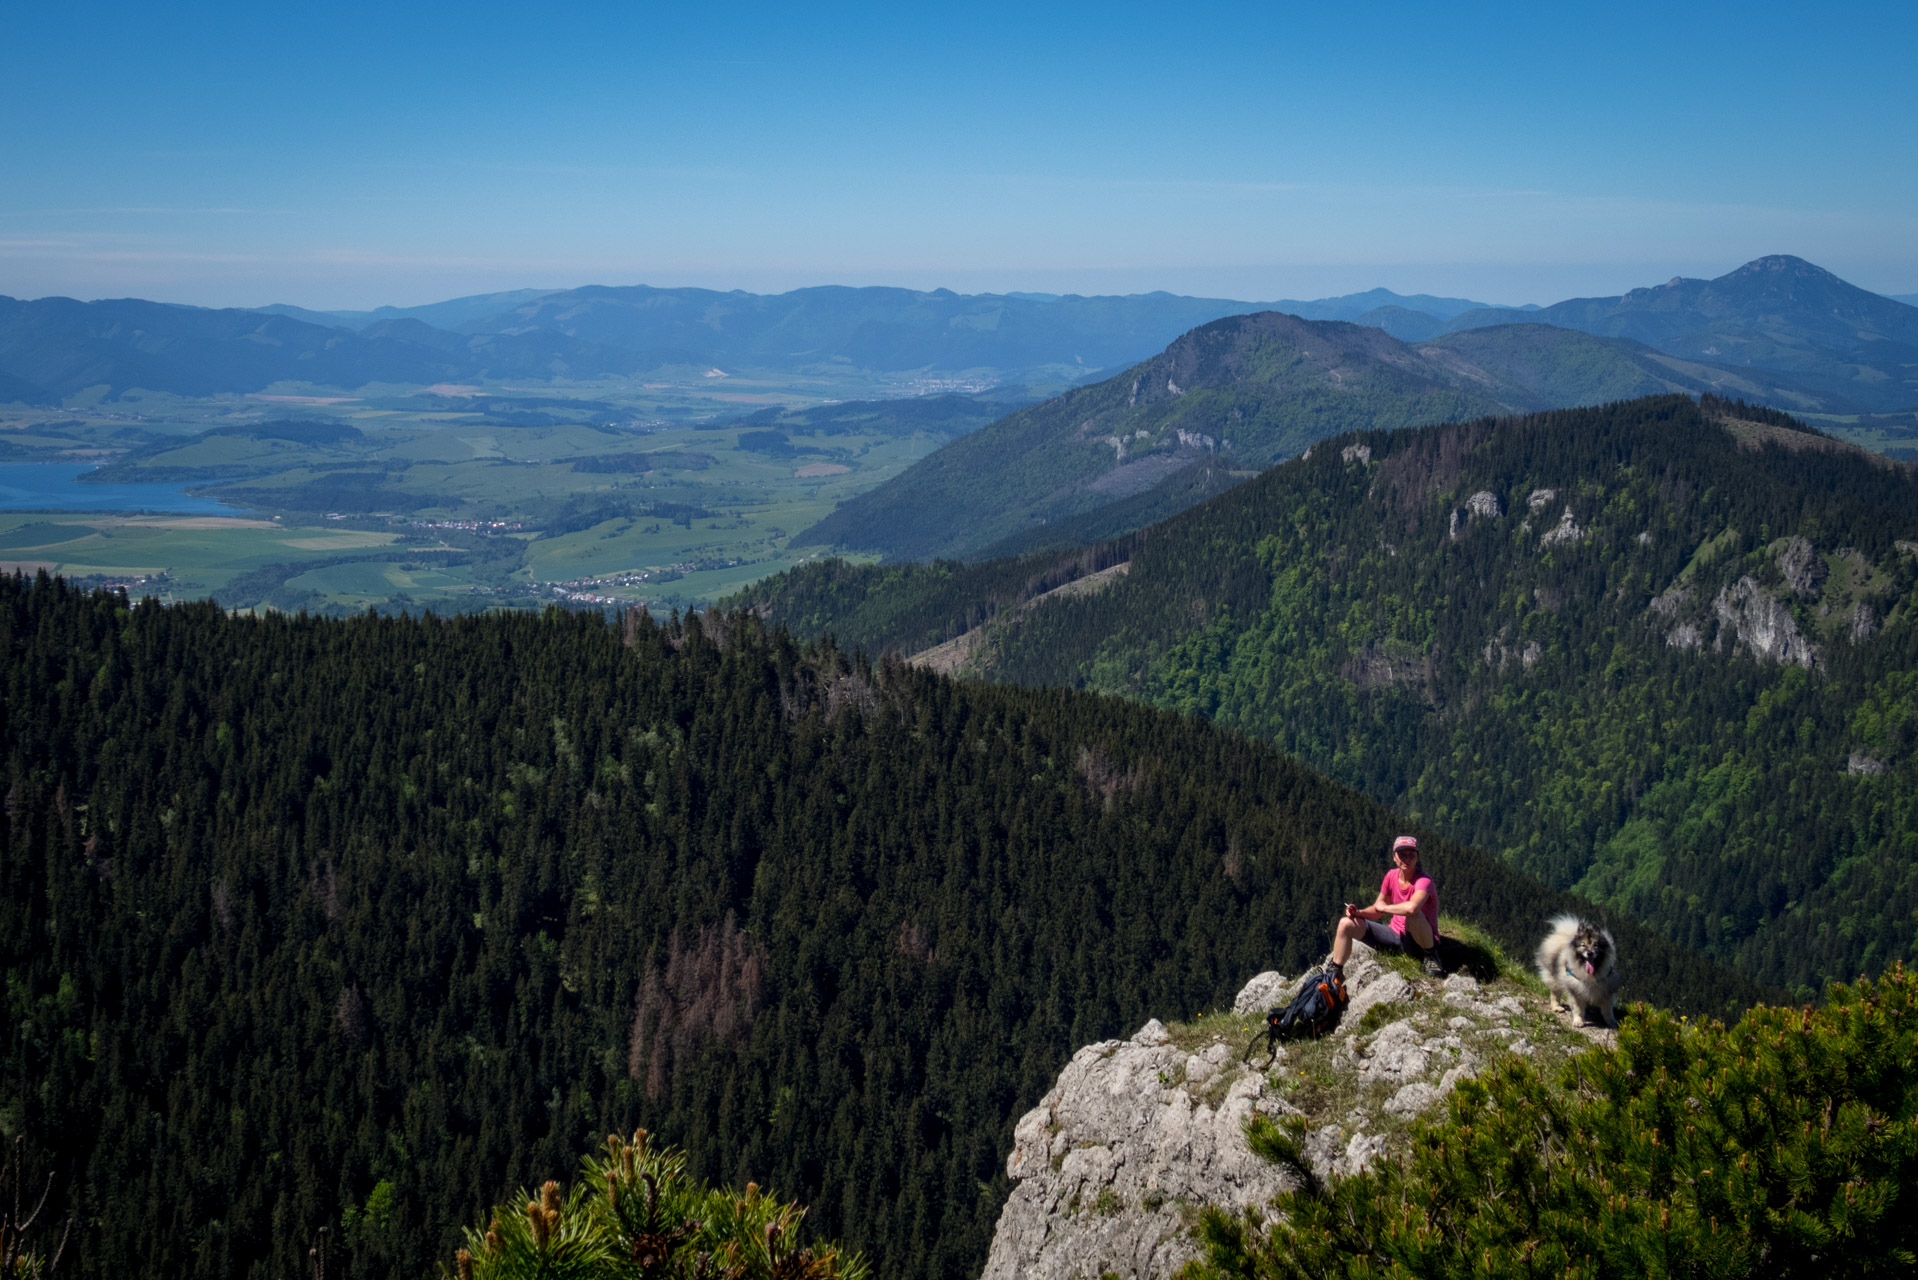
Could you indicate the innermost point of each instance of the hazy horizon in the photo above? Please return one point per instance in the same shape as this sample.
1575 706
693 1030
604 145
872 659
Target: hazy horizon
239 156
1321 283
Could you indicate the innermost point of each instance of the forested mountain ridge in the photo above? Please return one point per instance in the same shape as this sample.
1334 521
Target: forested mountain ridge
362 923
1253 389
51 348
1565 368
1660 652
1239 393
897 329
54 347
1779 313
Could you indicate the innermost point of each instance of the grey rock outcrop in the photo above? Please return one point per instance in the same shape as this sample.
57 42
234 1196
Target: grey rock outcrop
1138 1134
1132 1133
1499 654
1269 990
1386 988
1804 569
1761 624
1567 530
1483 505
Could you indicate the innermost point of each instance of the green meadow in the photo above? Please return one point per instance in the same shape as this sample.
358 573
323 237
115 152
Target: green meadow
197 554
458 498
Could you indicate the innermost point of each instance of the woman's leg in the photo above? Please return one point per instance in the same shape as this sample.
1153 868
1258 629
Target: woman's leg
1420 930
1342 939
1423 944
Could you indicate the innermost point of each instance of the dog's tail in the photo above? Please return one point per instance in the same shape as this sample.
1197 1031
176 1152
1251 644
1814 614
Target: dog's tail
1563 928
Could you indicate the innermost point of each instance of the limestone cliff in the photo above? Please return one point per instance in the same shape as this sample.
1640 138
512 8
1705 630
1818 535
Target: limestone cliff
1136 1134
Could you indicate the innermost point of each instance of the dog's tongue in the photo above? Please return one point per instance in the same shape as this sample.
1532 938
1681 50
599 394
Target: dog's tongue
1589 970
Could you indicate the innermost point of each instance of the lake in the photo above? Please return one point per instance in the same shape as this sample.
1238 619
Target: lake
56 486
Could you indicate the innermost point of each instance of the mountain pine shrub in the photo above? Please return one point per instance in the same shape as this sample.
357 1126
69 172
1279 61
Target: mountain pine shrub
1783 1145
637 1215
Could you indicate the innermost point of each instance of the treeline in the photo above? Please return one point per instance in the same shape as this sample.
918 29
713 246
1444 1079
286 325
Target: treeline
1506 677
361 924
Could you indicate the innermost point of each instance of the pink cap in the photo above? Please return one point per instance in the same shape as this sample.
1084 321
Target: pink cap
1406 842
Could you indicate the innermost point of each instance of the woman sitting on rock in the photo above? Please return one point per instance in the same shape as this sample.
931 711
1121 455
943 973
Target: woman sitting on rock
1409 900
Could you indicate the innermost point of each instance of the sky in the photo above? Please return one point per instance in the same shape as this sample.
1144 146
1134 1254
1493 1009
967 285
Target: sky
349 155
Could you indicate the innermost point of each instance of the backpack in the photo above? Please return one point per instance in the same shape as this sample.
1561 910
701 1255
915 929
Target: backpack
1314 1011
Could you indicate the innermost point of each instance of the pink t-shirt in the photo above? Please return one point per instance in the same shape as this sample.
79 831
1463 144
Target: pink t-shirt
1393 894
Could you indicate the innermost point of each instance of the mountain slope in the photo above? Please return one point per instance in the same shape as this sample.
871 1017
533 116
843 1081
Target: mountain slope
450 314
302 917
1779 313
872 328
1251 389
903 329
1564 368
1239 393
55 347
1662 656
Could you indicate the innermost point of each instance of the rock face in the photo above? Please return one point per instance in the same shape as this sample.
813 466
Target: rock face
1136 1135
1136 1132
1133 1132
1268 990
1761 624
1803 568
1483 505
1567 530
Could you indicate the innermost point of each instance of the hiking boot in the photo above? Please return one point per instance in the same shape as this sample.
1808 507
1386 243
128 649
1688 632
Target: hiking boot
1433 969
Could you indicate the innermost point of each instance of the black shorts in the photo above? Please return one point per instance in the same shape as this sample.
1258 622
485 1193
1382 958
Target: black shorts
1382 937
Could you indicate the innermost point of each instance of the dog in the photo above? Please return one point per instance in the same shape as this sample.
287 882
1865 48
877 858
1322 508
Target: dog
1578 962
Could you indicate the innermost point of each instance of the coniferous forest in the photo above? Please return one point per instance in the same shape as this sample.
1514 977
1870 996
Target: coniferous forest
361 924
1661 653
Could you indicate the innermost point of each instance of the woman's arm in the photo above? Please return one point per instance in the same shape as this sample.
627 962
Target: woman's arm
1405 908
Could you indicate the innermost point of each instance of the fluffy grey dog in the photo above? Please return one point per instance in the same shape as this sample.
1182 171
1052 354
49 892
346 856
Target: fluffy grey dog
1579 963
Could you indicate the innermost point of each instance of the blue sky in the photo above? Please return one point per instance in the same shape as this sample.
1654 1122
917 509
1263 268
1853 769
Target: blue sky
351 155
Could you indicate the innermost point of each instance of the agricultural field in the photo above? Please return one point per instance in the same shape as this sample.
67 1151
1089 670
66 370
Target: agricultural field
176 557
1892 434
457 498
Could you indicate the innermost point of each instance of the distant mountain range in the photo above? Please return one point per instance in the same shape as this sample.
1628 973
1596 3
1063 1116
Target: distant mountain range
1235 395
451 314
1779 313
55 347
1829 345
900 329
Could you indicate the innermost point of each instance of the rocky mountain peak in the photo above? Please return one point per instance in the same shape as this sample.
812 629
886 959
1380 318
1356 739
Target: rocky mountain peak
1780 264
1137 1134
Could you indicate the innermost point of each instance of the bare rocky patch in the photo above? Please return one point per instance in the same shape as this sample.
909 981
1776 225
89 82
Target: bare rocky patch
1136 1134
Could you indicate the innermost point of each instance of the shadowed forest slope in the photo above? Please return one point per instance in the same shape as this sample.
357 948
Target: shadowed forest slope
363 923
1659 652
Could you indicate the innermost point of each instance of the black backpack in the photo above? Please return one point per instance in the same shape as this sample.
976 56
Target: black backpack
1314 1011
